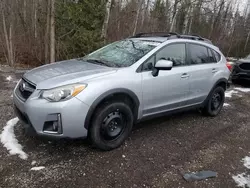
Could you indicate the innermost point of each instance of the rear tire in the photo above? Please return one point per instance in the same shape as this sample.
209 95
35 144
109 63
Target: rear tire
215 102
111 125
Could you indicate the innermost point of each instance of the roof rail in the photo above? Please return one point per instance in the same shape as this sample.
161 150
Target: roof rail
196 37
155 34
171 35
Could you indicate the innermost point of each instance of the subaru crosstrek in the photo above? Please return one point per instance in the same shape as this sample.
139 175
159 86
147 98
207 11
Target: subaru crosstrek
102 95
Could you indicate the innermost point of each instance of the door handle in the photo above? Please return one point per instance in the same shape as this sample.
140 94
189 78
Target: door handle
214 70
185 75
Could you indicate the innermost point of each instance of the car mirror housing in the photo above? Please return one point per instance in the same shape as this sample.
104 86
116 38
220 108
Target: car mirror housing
162 65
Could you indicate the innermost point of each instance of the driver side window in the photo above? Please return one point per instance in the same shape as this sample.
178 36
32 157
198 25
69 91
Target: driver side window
173 52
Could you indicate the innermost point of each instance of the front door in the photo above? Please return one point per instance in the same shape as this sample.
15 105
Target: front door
167 91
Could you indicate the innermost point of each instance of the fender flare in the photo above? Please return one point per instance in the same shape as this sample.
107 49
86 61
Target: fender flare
222 80
107 94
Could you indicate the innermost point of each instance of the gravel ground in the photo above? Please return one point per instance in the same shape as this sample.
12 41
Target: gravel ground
157 153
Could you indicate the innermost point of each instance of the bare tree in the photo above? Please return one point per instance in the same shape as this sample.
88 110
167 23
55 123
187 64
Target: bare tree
175 12
138 11
145 12
47 38
106 20
8 33
52 31
248 36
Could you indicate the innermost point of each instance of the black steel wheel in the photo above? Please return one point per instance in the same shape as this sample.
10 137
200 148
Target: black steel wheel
111 125
215 102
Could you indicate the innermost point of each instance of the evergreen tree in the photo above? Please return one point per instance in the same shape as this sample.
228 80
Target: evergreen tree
78 27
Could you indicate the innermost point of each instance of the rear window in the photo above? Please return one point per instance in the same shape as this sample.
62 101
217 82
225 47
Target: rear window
198 54
211 56
217 56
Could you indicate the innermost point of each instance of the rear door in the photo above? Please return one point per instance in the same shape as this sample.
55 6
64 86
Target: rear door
203 66
169 89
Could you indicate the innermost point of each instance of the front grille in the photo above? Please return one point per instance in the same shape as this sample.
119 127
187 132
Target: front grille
25 89
245 66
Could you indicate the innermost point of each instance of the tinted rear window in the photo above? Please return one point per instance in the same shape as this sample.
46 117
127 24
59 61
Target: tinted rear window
198 54
211 56
217 56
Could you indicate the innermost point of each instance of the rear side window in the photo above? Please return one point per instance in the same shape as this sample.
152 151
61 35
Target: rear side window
217 56
211 56
199 54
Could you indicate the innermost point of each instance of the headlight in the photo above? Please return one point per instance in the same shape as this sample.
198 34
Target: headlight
63 93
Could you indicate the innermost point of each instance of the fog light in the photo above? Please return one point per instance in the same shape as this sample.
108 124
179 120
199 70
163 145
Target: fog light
53 124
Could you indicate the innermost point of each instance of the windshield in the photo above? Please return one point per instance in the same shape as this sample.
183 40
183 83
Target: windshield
121 54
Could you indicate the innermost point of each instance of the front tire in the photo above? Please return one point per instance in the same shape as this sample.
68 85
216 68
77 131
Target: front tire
111 125
215 102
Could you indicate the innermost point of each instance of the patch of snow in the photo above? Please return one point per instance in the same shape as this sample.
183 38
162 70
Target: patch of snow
246 161
229 94
9 78
9 140
37 168
244 90
242 180
33 163
226 105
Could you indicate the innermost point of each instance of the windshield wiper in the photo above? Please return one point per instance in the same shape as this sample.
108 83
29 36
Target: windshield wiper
97 61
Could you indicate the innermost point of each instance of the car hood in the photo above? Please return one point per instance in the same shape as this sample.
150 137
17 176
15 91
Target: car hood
65 72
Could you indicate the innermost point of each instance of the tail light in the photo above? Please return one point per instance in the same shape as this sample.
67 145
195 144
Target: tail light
229 66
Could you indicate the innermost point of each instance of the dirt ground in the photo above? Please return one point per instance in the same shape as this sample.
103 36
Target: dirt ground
157 153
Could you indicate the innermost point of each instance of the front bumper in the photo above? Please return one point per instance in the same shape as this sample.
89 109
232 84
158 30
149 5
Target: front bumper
241 76
35 112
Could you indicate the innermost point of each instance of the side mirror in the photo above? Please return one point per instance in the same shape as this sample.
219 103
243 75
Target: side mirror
162 65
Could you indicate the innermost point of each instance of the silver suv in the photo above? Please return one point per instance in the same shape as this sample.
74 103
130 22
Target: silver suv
102 95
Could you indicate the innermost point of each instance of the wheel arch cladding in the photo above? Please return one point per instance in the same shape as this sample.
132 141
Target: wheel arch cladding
113 94
221 82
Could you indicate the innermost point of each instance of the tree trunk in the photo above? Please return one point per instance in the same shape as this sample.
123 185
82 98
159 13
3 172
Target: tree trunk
190 25
175 10
6 37
35 17
106 20
144 15
52 32
11 58
217 18
187 16
46 38
172 28
138 11
24 10
248 36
